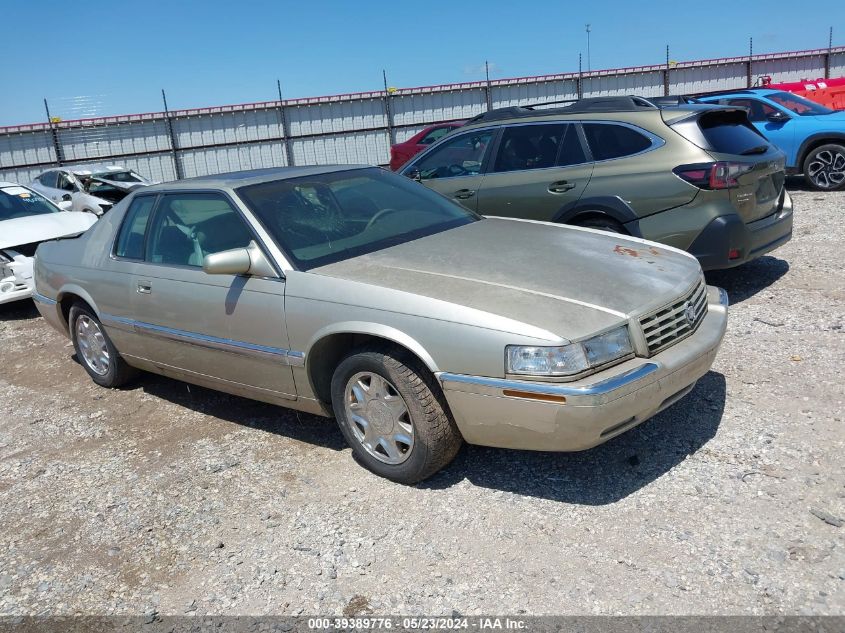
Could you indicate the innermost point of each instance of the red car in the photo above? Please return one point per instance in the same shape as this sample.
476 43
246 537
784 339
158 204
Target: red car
401 153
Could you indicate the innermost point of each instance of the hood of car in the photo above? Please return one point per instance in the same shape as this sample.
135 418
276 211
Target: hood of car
835 118
568 281
38 228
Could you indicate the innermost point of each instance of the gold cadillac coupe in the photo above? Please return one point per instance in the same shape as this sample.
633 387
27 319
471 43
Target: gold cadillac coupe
356 293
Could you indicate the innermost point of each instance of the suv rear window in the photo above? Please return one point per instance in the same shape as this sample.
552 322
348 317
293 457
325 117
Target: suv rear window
608 140
726 132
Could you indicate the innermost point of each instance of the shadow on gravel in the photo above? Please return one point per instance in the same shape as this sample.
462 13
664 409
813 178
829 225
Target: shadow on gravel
747 280
797 183
603 474
257 415
18 311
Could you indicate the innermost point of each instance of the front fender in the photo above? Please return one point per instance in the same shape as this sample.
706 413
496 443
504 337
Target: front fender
374 329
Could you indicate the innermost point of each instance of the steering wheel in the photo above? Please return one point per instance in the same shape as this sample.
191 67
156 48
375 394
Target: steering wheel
378 216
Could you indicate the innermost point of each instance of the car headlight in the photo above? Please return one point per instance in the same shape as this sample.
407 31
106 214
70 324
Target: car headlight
571 359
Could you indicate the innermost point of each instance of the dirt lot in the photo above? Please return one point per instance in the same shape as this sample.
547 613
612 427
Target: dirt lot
165 498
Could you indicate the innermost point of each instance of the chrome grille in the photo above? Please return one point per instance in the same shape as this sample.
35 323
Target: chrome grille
670 324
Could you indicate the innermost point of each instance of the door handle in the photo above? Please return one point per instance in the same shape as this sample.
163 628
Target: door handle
463 194
561 186
144 287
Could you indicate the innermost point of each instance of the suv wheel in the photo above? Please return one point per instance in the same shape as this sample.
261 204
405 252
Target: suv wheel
95 351
824 168
393 415
603 224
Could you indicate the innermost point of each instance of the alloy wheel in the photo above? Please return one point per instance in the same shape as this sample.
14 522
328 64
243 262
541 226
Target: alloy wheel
827 169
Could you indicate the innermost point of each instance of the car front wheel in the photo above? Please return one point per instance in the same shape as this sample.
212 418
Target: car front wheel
94 349
824 168
393 415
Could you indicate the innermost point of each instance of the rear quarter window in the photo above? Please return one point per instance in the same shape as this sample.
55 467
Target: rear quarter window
727 132
608 140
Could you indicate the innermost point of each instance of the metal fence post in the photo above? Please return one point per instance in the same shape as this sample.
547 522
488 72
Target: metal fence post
829 53
391 133
666 74
749 77
488 95
285 127
579 85
54 133
177 166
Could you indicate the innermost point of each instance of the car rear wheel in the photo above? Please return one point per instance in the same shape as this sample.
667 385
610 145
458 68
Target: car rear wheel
824 168
95 351
603 224
393 415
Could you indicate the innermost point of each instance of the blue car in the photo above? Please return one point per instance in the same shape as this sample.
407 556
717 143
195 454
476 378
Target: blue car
811 135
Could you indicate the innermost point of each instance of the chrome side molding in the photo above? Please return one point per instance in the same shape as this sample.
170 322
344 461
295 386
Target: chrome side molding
243 348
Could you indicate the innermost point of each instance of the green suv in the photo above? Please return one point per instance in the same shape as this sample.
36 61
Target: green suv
697 177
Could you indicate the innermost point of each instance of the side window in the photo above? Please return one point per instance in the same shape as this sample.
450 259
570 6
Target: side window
435 135
48 179
189 226
571 151
130 241
608 140
462 156
65 183
757 110
529 147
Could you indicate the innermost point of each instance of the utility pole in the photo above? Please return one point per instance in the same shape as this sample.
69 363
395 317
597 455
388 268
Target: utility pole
588 48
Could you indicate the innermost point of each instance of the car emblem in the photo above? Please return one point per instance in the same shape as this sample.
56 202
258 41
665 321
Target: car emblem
689 313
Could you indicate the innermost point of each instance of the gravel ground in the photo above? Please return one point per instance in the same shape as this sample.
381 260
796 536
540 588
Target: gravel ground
170 499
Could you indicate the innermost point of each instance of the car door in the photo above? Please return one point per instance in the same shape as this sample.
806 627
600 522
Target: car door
780 133
455 166
45 184
224 329
539 168
67 185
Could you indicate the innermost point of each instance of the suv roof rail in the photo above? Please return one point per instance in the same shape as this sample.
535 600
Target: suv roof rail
713 93
629 103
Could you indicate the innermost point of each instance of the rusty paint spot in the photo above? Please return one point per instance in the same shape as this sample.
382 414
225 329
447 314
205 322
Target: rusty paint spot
635 252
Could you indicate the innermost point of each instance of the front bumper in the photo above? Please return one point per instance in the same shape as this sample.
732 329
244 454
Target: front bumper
16 279
728 233
596 408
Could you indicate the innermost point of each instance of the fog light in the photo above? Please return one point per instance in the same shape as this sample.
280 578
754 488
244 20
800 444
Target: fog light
7 286
733 253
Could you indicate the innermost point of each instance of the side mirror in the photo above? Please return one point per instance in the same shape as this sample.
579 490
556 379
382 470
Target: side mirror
65 205
777 117
414 174
239 261
66 198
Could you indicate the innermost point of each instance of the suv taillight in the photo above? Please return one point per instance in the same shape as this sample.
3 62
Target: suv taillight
719 175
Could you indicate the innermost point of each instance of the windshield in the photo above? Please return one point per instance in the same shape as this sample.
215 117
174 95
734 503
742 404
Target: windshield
326 218
120 176
798 105
19 202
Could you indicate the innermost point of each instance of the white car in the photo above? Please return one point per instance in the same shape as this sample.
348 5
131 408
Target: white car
26 220
93 188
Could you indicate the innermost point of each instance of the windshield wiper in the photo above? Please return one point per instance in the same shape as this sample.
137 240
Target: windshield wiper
760 149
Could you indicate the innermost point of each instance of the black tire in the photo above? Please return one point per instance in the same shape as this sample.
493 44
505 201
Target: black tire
603 224
824 168
436 439
118 372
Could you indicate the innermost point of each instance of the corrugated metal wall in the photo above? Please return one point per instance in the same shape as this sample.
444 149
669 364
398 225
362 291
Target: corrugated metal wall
353 128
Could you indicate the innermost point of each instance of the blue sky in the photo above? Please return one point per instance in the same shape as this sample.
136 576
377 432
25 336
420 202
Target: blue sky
96 58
